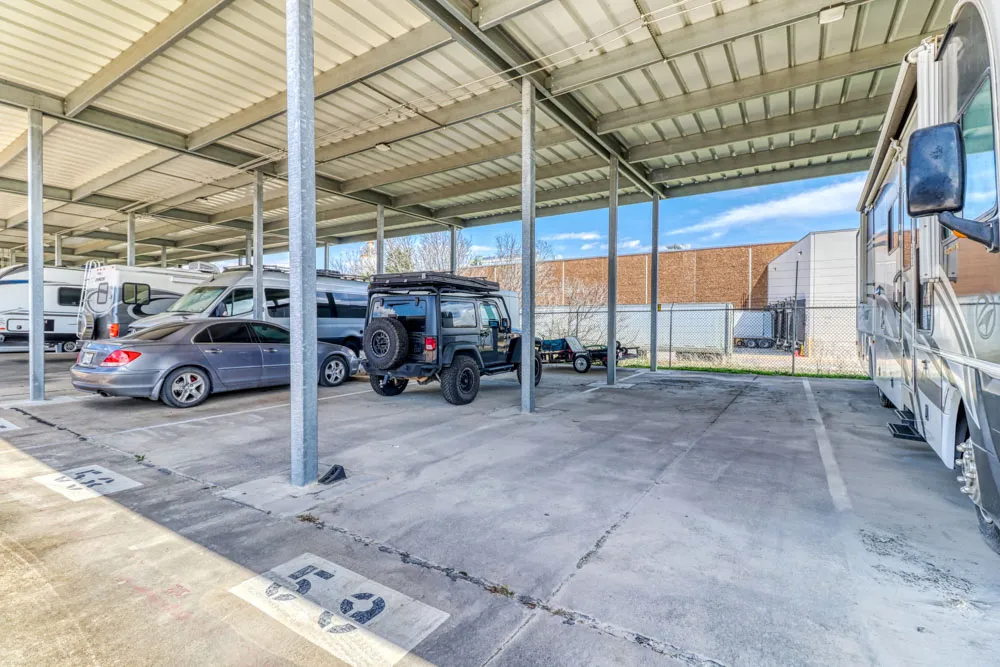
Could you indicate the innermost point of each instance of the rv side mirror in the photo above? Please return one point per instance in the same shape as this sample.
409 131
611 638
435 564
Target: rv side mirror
935 183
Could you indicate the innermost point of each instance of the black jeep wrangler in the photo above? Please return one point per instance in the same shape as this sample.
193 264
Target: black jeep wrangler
438 326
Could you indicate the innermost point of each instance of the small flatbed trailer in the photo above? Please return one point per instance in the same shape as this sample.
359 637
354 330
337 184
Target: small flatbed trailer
570 350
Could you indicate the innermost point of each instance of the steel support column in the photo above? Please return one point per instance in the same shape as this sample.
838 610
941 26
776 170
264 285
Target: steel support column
302 239
59 250
36 259
380 239
163 257
130 240
654 283
612 269
527 247
326 256
258 245
454 250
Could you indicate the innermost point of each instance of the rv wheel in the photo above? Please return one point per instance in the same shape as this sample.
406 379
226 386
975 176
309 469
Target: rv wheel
883 400
70 346
966 464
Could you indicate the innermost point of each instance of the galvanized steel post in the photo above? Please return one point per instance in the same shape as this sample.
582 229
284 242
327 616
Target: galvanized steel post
527 246
612 359
379 239
454 250
36 260
163 256
258 245
130 240
302 239
326 256
59 250
654 283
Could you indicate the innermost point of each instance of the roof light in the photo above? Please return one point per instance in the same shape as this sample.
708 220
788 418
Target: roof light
831 14
383 148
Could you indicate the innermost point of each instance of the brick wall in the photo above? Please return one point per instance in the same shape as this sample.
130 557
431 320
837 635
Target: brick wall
706 275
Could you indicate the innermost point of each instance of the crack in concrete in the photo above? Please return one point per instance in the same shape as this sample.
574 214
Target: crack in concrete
43 422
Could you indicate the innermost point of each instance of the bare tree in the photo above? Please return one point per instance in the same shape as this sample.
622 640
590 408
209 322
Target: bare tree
434 251
583 313
506 264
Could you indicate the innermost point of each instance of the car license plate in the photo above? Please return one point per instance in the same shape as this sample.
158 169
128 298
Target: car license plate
88 358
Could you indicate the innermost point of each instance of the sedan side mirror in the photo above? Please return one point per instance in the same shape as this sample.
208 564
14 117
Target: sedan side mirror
935 183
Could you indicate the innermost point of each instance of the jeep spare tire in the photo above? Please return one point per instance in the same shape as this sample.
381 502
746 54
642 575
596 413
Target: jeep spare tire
386 343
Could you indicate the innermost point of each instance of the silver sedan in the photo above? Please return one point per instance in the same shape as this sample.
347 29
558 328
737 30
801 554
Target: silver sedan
182 364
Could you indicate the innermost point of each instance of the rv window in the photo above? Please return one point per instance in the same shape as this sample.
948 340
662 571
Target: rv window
892 228
458 314
268 333
231 332
239 302
324 305
69 296
102 294
351 305
278 302
135 294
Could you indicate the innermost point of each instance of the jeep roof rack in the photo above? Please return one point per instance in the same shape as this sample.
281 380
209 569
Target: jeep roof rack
320 273
436 280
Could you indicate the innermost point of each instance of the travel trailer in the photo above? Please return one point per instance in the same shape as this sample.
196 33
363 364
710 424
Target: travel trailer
928 262
341 302
61 295
116 296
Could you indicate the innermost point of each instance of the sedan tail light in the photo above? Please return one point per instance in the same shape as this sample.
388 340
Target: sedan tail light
121 358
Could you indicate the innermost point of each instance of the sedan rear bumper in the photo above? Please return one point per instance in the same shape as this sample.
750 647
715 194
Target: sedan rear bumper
114 381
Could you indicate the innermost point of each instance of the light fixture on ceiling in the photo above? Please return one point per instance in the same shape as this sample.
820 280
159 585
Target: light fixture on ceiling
831 14
383 148
103 229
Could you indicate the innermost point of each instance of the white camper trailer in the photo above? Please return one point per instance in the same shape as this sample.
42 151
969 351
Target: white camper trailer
341 302
928 261
116 296
61 294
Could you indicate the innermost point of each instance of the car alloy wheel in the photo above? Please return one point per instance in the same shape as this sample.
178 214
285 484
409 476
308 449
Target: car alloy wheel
187 388
334 371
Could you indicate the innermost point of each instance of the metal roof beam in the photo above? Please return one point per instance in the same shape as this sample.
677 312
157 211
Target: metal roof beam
771 177
851 144
742 22
808 74
494 12
406 47
541 196
184 19
778 125
467 158
495 48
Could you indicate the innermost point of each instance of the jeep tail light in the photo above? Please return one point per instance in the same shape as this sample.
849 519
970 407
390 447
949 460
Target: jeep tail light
120 358
430 343
113 330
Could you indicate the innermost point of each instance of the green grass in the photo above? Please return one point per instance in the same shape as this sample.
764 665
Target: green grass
747 371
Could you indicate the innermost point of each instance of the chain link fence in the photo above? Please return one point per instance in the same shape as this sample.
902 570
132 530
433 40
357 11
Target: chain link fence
788 338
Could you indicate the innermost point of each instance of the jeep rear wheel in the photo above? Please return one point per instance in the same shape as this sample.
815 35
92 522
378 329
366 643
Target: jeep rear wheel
386 343
386 386
538 370
460 381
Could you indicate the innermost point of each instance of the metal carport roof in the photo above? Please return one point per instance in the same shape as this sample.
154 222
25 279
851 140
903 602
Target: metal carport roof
165 108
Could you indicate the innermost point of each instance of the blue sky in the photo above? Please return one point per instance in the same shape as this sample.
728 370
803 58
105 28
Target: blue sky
782 212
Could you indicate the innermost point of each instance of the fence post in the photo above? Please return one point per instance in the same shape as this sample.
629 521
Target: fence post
670 339
795 314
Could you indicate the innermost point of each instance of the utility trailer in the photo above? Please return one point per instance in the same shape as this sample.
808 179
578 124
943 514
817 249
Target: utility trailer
570 350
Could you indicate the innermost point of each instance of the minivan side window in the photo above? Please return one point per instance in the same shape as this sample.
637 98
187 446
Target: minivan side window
69 296
324 305
238 302
351 305
278 302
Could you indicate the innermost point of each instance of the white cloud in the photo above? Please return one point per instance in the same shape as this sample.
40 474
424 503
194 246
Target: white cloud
574 236
821 202
481 249
675 246
592 246
630 244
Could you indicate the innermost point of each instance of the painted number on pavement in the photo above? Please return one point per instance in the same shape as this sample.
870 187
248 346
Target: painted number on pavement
356 619
87 482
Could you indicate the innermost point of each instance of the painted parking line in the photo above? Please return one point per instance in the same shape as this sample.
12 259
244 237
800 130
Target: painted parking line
86 482
8 426
356 619
834 480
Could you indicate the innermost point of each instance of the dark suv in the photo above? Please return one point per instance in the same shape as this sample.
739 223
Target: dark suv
439 326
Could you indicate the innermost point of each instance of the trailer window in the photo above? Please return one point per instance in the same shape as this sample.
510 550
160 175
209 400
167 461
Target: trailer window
135 294
69 296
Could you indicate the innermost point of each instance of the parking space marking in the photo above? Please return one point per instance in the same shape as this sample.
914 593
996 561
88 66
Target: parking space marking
235 413
356 619
834 480
86 482
8 426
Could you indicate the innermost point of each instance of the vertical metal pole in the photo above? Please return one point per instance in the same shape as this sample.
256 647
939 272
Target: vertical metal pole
301 123
163 257
380 239
130 241
36 260
670 339
612 270
454 250
654 283
750 278
258 245
59 250
248 252
326 256
795 313
527 246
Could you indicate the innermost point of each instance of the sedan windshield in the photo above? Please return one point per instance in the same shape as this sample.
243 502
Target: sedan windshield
197 300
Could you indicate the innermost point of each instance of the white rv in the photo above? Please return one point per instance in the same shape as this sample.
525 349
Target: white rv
928 262
341 302
61 294
116 296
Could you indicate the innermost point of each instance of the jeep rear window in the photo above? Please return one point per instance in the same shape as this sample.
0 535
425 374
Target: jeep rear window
411 311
